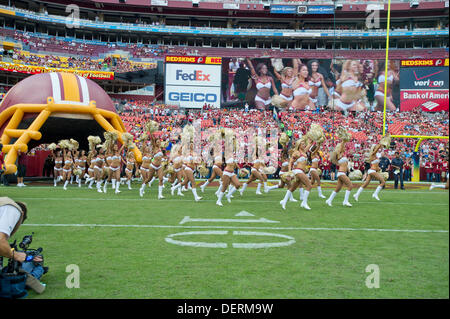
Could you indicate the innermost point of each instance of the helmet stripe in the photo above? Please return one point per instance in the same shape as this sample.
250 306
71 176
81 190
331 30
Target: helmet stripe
84 90
56 88
70 84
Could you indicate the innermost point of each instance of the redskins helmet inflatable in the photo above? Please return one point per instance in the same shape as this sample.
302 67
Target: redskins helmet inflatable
48 107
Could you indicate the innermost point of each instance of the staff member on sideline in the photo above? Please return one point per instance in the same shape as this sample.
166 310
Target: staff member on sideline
397 167
12 215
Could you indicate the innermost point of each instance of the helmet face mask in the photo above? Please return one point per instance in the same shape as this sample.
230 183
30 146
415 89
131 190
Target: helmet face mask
47 107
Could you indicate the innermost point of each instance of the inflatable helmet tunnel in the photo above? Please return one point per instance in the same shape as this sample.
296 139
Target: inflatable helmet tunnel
48 107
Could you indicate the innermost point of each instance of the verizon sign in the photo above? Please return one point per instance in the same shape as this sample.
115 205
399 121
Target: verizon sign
424 86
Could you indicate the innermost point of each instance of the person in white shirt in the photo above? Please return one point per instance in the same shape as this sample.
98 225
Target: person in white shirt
12 215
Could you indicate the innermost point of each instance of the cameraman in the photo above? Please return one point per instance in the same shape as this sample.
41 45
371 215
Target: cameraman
12 215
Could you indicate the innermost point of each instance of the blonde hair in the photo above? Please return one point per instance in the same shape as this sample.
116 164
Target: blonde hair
285 70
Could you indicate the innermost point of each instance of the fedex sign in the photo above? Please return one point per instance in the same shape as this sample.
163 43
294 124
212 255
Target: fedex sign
193 74
191 85
197 75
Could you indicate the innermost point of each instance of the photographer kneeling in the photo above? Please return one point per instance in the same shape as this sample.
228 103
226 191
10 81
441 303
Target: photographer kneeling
12 215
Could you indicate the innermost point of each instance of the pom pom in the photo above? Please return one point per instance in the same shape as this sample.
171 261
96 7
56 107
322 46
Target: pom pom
74 144
385 175
343 134
203 170
269 170
243 172
356 175
127 139
77 172
316 133
52 147
277 64
386 141
287 177
278 101
284 139
65 144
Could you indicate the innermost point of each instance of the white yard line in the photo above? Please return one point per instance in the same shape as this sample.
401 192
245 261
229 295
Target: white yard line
242 227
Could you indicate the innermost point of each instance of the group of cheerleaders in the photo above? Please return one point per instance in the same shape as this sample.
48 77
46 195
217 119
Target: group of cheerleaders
299 170
300 86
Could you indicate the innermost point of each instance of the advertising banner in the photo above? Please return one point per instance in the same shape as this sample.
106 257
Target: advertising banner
192 96
31 69
425 85
282 9
320 9
191 84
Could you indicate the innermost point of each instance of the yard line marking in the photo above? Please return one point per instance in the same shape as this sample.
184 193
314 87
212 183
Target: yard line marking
242 227
187 219
212 200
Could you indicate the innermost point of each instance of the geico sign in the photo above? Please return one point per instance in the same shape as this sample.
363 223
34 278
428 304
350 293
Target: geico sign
197 75
192 97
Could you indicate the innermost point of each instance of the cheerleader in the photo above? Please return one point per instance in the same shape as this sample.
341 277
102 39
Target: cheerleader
349 90
190 164
315 177
129 166
287 78
341 162
302 91
58 169
67 168
264 83
373 172
145 167
156 168
178 171
283 170
107 168
316 81
91 160
216 171
82 160
256 174
297 165
382 78
98 168
114 168
228 177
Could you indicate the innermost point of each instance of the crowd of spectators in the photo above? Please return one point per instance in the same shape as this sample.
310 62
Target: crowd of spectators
110 63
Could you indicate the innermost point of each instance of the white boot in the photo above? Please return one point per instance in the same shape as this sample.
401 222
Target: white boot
196 197
99 187
160 195
305 200
377 191
286 198
203 186
356 195
241 191
219 198
129 184
65 185
319 189
117 187
329 201
141 190
346 202
230 193
258 189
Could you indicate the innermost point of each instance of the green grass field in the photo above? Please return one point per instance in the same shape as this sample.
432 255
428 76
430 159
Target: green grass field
130 247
